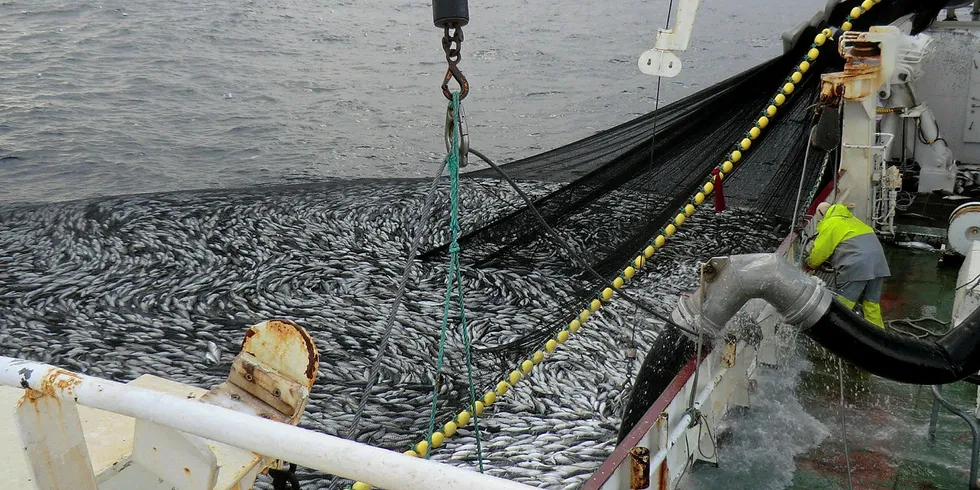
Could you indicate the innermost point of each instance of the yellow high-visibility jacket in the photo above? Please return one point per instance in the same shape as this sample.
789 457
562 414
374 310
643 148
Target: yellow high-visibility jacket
851 246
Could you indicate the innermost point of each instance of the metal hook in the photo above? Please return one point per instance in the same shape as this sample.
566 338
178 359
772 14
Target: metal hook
452 44
464 136
453 73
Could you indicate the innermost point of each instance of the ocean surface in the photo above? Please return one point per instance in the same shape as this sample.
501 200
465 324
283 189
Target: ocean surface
102 98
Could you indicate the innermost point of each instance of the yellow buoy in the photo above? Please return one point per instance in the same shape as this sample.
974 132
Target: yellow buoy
550 345
754 133
449 429
804 66
659 241
679 219
618 282
537 357
771 110
437 439
820 39
502 388
669 230
735 156
827 32
689 209
410 452
796 77
856 12
562 337
584 315
867 4
639 261
708 188
779 99
488 399
422 448
648 252
607 293
515 377
812 54
845 26
360 486
699 197
479 408
595 305
574 326
721 175
745 144
463 418
727 167
763 122
788 88
527 366
628 272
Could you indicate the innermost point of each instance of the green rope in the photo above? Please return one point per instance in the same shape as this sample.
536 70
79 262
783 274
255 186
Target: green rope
454 278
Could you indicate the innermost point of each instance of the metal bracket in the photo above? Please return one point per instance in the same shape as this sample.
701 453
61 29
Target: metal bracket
661 61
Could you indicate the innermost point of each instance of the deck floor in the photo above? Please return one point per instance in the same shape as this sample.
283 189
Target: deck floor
792 436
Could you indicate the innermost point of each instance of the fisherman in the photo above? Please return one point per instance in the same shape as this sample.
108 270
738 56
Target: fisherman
856 255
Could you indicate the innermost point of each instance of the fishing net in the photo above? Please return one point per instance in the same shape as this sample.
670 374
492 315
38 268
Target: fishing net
628 182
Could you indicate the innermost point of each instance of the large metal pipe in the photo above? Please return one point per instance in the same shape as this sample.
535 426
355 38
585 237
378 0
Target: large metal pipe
730 282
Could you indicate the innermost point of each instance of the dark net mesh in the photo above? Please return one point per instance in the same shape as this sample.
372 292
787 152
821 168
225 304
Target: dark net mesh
628 182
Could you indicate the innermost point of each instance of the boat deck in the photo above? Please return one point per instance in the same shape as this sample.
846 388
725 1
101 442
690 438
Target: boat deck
792 436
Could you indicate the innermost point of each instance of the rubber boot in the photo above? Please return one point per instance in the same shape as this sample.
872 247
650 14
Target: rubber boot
848 303
872 313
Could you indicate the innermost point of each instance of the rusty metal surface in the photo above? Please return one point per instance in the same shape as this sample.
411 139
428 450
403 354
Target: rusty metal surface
621 452
639 468
285 347
728 357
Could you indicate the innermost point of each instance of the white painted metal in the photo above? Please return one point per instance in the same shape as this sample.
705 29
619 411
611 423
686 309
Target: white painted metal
660 61
964 228
306 448
684 424
971 127
967 296
183 460
718 389
51 434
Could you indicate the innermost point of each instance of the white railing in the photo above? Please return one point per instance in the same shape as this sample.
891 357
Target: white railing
334 455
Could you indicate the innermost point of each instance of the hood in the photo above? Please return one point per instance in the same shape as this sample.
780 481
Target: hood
838 211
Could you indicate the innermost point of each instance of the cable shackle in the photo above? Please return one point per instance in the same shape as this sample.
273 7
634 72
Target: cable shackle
452 43
451 16
464 134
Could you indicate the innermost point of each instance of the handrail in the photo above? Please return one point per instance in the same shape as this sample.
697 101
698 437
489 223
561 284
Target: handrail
334 455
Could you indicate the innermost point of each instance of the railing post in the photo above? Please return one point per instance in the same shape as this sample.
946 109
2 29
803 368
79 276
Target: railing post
51 434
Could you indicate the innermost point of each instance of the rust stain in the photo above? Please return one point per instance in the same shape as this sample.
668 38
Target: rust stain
313 356
248 334
58 380
639 468
187 470
662 476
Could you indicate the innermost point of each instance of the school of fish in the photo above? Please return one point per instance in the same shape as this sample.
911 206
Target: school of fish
166 284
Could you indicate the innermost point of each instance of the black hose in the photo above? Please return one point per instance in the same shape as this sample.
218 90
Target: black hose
890 355
668 354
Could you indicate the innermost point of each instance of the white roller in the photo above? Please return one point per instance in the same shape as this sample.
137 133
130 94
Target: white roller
964 227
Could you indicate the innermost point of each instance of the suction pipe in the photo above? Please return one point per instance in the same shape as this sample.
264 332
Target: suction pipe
729 282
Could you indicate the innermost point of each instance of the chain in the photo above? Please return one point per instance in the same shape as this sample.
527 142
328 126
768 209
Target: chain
452 44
